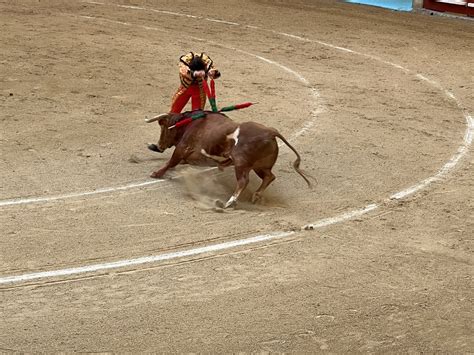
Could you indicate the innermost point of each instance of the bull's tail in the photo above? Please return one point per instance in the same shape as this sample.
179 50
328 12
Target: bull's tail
296 163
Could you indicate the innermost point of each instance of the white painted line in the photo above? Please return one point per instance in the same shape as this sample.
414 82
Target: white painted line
343 49
185 253
106 20
431 82
461 151
221 21
144 260
299 38
341 218
446 168
450 165
132 7
22 201
176 14
308 124
468 137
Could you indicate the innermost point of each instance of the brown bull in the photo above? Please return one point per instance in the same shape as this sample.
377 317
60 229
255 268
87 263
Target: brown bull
215 138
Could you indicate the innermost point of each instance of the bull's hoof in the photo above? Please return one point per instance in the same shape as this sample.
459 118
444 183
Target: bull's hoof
232 203
256 197
156 175
154 148
219 204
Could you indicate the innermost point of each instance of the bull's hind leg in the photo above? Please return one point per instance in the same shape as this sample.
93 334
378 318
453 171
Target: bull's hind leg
267 177
242 175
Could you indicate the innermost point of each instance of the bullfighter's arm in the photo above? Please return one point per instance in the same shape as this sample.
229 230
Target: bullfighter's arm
185 75
211 69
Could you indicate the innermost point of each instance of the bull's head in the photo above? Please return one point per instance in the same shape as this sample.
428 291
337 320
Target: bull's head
168 137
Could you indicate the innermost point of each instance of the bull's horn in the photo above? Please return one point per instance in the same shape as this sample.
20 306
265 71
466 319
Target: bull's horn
156 118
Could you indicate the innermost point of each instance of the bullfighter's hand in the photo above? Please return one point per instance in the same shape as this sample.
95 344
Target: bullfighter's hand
199 74
214 73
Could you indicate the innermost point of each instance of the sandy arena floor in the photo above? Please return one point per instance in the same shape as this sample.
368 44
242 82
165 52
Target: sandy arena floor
378 103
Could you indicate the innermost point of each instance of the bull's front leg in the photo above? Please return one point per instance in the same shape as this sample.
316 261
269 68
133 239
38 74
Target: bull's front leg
175 159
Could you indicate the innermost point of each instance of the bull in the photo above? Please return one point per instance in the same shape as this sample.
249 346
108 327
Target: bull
216 140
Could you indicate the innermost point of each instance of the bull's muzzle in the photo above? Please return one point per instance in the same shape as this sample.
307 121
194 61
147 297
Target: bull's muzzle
155 148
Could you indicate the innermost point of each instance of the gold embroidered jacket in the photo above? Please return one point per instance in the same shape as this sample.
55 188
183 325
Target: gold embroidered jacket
184 71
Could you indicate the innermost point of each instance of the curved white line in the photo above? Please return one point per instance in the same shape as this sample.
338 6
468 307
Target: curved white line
446 168
341 218
468 135
144 260
22 201
452 162
314 93
467 141
184 253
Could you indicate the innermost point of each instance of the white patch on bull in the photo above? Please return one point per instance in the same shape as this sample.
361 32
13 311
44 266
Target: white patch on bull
235 136
232 202
213 157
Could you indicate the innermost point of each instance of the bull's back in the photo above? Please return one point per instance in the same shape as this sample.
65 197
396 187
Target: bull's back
254 130
209 132
256 146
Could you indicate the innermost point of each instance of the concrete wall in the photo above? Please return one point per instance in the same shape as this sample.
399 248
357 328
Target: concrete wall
417 4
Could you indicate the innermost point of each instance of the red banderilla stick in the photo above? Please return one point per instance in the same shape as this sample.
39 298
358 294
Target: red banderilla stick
211 94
